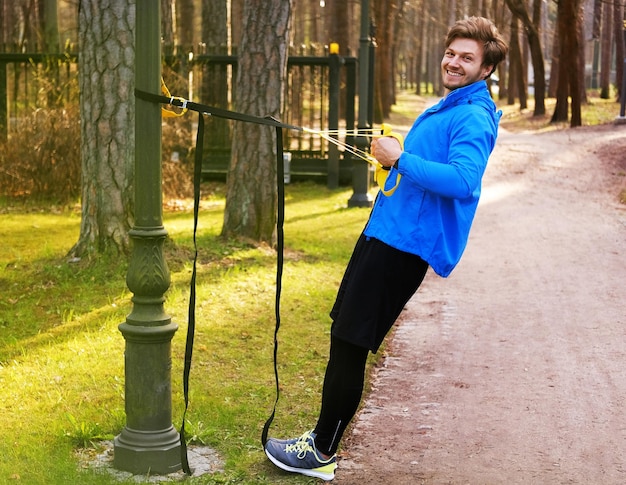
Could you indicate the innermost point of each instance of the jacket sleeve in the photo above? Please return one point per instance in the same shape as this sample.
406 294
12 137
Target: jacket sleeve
472 136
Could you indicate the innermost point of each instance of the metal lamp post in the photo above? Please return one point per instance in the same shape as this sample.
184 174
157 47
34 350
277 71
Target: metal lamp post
360 171
148 443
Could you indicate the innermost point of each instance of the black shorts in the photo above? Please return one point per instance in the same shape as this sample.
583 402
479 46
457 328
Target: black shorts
377 284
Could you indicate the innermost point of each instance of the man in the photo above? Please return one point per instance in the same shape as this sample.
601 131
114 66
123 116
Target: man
424 222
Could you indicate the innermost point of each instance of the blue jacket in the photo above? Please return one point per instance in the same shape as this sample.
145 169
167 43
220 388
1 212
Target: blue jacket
445 156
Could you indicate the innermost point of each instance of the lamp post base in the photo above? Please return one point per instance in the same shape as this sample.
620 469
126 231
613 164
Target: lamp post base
141 452
360 200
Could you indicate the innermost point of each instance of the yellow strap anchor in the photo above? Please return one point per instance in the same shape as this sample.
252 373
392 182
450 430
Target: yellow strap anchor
168 113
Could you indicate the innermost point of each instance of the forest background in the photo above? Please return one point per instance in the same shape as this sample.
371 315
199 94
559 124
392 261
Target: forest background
578 43
408 36
61 350
558 49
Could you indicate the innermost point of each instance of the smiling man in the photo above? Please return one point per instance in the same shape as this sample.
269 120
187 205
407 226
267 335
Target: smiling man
424 223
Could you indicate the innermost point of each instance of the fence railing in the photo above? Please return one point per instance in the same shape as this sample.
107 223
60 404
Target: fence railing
319 94
30 81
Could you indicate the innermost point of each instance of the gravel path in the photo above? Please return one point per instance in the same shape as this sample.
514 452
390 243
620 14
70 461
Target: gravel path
513 370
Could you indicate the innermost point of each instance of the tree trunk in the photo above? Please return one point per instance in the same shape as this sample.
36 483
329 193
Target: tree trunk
215 77
185 13
620 27
339 28
569 28
339 32
251 194
580 35
51 27
517 83
107 107
420 41
531 27
499 16
536 53
513 63
385 14
554 64
561 110
167 25
577 68
236 13
605 52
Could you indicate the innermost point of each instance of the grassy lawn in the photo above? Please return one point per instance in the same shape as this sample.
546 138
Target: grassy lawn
61 353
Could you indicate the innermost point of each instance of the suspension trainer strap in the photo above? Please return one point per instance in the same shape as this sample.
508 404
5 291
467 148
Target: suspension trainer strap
280 176
213 111
191 316
280 246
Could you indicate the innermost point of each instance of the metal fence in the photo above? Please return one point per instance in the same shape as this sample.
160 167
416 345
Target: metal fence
31 81
320 94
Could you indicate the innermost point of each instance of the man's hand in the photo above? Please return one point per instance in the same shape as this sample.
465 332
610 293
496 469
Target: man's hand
386 150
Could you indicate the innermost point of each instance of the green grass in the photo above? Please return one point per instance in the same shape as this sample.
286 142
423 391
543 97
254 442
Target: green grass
596 111
61 353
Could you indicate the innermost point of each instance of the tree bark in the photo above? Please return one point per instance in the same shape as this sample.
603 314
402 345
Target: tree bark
168 26
517 83
251 194
605 51
569 28
620 26
107 106
385 17
215 77
554 64
51 27
339 28
185 13
236 12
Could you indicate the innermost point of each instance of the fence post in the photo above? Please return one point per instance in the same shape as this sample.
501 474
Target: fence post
361 172
334 64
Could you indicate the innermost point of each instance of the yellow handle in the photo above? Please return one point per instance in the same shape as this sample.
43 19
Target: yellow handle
381 173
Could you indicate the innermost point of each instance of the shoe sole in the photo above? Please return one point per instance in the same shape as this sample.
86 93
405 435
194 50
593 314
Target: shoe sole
303 471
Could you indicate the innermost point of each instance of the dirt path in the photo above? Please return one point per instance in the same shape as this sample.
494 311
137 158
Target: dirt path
513 370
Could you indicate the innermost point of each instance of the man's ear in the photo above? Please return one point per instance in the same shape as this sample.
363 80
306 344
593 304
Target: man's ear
487 71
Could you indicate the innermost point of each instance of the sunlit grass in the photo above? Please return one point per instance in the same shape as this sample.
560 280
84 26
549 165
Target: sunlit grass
61 353
596 111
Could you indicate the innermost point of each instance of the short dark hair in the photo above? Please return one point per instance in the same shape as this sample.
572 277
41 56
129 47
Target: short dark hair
484 31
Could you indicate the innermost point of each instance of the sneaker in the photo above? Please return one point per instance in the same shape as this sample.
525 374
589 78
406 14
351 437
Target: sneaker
299 455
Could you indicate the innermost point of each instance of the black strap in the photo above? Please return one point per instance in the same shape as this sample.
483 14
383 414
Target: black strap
280 246
213 111
191 316
280 242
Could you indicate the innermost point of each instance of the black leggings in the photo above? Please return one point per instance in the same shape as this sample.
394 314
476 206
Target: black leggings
341 394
